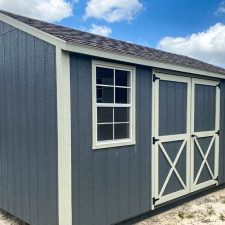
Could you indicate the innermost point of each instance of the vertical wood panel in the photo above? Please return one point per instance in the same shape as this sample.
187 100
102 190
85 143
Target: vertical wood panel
28 128
109 185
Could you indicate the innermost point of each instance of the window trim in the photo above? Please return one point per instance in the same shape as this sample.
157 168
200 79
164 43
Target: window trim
120 142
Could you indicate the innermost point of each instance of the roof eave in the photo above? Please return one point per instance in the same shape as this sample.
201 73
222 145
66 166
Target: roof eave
71 47
138 60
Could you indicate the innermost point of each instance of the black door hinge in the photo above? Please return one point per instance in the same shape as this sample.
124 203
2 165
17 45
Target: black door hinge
154 140
155 78
217 178
218 132
218 85
154 200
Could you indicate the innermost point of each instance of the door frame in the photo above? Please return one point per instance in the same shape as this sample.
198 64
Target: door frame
195 187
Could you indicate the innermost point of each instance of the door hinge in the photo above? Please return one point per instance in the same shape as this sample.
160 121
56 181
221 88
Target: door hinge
154 200
218 85
154 140
218 132
155 78
217 179
194 136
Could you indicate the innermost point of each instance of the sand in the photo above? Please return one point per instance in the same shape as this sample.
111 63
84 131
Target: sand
209 209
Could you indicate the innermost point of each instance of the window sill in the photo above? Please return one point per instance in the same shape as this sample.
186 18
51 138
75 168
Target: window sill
113 144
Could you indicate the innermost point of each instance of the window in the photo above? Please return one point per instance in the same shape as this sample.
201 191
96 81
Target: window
113 105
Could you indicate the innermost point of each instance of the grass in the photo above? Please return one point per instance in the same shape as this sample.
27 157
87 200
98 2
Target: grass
206 221
181 215
184 215
222 217
210 210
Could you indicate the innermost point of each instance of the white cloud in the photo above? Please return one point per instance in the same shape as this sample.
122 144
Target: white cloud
112 10
221 8
48 10
100 30
208 45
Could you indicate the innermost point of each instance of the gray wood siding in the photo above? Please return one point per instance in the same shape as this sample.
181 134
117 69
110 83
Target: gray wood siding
222 134
28 128
113 184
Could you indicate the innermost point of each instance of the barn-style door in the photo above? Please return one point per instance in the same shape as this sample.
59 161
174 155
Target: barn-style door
204 133
171 141
185 143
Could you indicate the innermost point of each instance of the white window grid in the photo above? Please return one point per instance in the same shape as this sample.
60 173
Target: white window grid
131 102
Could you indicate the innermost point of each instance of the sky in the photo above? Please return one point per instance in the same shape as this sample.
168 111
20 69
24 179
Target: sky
194 28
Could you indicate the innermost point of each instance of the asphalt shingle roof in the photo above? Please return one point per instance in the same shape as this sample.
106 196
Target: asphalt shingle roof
115 46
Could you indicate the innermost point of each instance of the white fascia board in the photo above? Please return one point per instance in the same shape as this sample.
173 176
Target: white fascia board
137 60
32 31
71 47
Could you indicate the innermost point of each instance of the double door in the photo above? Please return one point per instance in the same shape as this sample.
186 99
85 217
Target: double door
185 141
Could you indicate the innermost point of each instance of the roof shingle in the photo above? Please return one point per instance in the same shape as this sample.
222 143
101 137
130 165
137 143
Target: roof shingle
115 46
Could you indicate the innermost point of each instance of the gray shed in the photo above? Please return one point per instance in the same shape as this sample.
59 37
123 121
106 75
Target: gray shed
95 131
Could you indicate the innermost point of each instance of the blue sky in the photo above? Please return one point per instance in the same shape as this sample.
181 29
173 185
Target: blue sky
190 27
157 19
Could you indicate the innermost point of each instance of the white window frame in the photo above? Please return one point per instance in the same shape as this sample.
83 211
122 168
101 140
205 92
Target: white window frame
120 142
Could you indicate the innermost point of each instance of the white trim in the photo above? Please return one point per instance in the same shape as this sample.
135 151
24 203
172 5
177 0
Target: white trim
138 60
113 143
72 47
64 137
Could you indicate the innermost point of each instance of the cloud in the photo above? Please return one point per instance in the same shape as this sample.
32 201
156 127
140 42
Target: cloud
100 30
221 8
47 10
112 10
208 45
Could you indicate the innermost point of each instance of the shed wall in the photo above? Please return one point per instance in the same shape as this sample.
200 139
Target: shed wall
28 129
113 184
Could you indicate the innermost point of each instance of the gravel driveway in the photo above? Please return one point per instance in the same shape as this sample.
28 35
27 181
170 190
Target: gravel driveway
209 209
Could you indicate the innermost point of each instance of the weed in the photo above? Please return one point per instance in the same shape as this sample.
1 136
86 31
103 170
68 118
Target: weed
181 215
210 210
190 215
222 217
206 221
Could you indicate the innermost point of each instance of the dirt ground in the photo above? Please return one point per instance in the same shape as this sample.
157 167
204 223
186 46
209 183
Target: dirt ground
209 209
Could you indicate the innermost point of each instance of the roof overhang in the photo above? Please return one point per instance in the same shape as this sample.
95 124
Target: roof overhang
71 47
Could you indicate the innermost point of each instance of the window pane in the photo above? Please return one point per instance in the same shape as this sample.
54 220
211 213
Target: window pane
122 78
122 95
105 132
121 114
107 95
104 76
121 131
105 115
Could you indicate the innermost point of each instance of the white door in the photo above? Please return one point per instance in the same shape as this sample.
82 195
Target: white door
185 145
171 141
205 133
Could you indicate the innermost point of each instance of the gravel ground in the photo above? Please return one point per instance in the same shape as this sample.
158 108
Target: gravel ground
209 209
6 219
